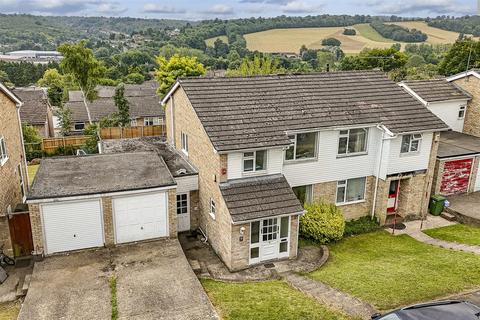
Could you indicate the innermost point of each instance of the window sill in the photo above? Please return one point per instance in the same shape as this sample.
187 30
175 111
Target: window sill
254 173
300 161
349 203
2 162
409 154
212 215
358 154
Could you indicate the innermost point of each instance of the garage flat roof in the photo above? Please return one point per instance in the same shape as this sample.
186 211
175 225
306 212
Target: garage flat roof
95 174
457 144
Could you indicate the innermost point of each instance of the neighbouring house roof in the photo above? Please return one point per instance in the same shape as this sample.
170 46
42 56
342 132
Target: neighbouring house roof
95 174
34 110
255 112
143 99
455 144
436 90
259 197
177 165
10 94
475 72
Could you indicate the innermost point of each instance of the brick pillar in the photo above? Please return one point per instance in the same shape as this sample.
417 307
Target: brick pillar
108 221
37 229
172 212
223 174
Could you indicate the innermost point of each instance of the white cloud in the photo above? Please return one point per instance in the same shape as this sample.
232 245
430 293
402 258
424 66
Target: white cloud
158 8
111 9
300 7
220 9
416 7
62 7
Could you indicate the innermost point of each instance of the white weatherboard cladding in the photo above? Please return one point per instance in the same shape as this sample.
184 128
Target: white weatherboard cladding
187 183
410 161
447 111
235 165
72 225
140 217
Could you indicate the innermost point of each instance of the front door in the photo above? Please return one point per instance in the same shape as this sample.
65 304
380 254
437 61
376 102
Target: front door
21 234
269 239
183 212
269 235
393 196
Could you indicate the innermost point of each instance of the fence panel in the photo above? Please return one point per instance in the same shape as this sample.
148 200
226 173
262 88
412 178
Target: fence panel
132 132
51 145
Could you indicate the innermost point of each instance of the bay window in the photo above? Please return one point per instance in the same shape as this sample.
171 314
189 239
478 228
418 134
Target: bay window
411 143
352 141
303 146
350 190
254 161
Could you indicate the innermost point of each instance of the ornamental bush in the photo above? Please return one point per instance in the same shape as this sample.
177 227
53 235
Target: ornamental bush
361 225
322 223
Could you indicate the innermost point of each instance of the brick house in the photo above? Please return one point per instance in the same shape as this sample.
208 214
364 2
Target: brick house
13 174
36 111
354 139
458 158
145 108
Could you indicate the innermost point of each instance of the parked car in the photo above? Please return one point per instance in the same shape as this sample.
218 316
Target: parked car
438 310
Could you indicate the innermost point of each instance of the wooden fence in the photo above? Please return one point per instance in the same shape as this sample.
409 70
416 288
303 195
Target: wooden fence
132 132
51 145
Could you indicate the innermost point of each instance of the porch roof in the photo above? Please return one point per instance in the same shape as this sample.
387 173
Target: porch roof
259 197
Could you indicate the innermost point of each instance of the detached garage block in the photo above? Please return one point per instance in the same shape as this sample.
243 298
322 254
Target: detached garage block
86 202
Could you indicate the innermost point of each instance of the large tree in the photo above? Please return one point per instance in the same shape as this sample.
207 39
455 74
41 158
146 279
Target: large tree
122 105
463 55
169 70
86 71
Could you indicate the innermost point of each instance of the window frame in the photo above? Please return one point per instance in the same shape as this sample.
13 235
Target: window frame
213 209
462 111
254 158
187 200
412 138
347 135
345 185
155 121
3 151
184 142
308 193
78 123
293 137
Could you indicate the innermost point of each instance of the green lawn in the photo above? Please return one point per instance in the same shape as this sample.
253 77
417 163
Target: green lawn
267 300
457 233
32 171
391 271
9 310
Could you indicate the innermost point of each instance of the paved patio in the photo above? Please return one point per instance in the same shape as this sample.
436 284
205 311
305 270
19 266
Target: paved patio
466 207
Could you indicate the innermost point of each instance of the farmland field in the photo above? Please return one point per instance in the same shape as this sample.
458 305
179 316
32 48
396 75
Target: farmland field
210 41
290 40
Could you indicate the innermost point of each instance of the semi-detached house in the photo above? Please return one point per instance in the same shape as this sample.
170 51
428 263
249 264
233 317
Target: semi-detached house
354 139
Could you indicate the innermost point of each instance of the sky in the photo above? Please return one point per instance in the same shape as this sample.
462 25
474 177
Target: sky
228 9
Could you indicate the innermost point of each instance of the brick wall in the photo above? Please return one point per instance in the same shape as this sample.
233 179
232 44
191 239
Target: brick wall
472 118
108 226
172 212
204 157
37 229
10 192
194 210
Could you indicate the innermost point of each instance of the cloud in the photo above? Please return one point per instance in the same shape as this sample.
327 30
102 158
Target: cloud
62 7
158 8
111 9
300 7
220 9
283 2
420 6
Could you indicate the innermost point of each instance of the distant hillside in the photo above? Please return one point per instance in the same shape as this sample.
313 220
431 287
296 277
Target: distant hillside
466 25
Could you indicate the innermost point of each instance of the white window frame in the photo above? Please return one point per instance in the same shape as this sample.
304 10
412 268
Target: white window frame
213 209
344 183
462 111
293 140
347 135
133 122
254 158
3 151
184 138
180 201
78 123
413 137
153 120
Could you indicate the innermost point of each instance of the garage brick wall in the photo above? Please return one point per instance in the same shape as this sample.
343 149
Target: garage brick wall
201 154
172 212
107 208
194 210
37 229
10 192
471 84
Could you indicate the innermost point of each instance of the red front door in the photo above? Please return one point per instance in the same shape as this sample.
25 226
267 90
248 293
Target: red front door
393 193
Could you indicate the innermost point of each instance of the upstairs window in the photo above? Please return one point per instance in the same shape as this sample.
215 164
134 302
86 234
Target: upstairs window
411 143
185 142
303 146
352 141
255 161
461 112
3 151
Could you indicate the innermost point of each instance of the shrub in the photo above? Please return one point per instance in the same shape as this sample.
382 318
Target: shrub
349 32
323 223
361 225
331 42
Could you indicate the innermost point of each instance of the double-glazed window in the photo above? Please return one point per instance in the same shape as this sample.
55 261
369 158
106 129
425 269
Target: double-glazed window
461 111
350 190
303 193
352 141
184 142
79 126
411 143
3 151
303 146
151 121
255 161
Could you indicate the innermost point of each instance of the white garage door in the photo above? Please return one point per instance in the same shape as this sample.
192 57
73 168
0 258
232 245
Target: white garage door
72 225
140 217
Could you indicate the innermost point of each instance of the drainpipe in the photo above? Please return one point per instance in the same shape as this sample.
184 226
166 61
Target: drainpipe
386 135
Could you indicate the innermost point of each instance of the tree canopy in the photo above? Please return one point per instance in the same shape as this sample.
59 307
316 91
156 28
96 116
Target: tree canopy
257 66
463 55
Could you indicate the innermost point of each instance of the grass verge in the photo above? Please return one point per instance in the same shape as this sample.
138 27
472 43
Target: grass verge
391 271
268 300
456 233
10 310
113 299
32 171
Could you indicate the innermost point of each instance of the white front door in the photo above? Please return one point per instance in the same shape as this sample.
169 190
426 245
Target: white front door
72 225
269 239
183 212
140 217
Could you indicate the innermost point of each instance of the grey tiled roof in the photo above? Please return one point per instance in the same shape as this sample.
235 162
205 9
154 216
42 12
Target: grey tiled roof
437 90
259 197
255 112
86 175
35 105
144 102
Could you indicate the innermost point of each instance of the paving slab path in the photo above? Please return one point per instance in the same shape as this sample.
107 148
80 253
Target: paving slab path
422 237
330 296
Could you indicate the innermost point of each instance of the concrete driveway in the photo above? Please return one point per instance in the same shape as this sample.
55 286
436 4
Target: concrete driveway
154 281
